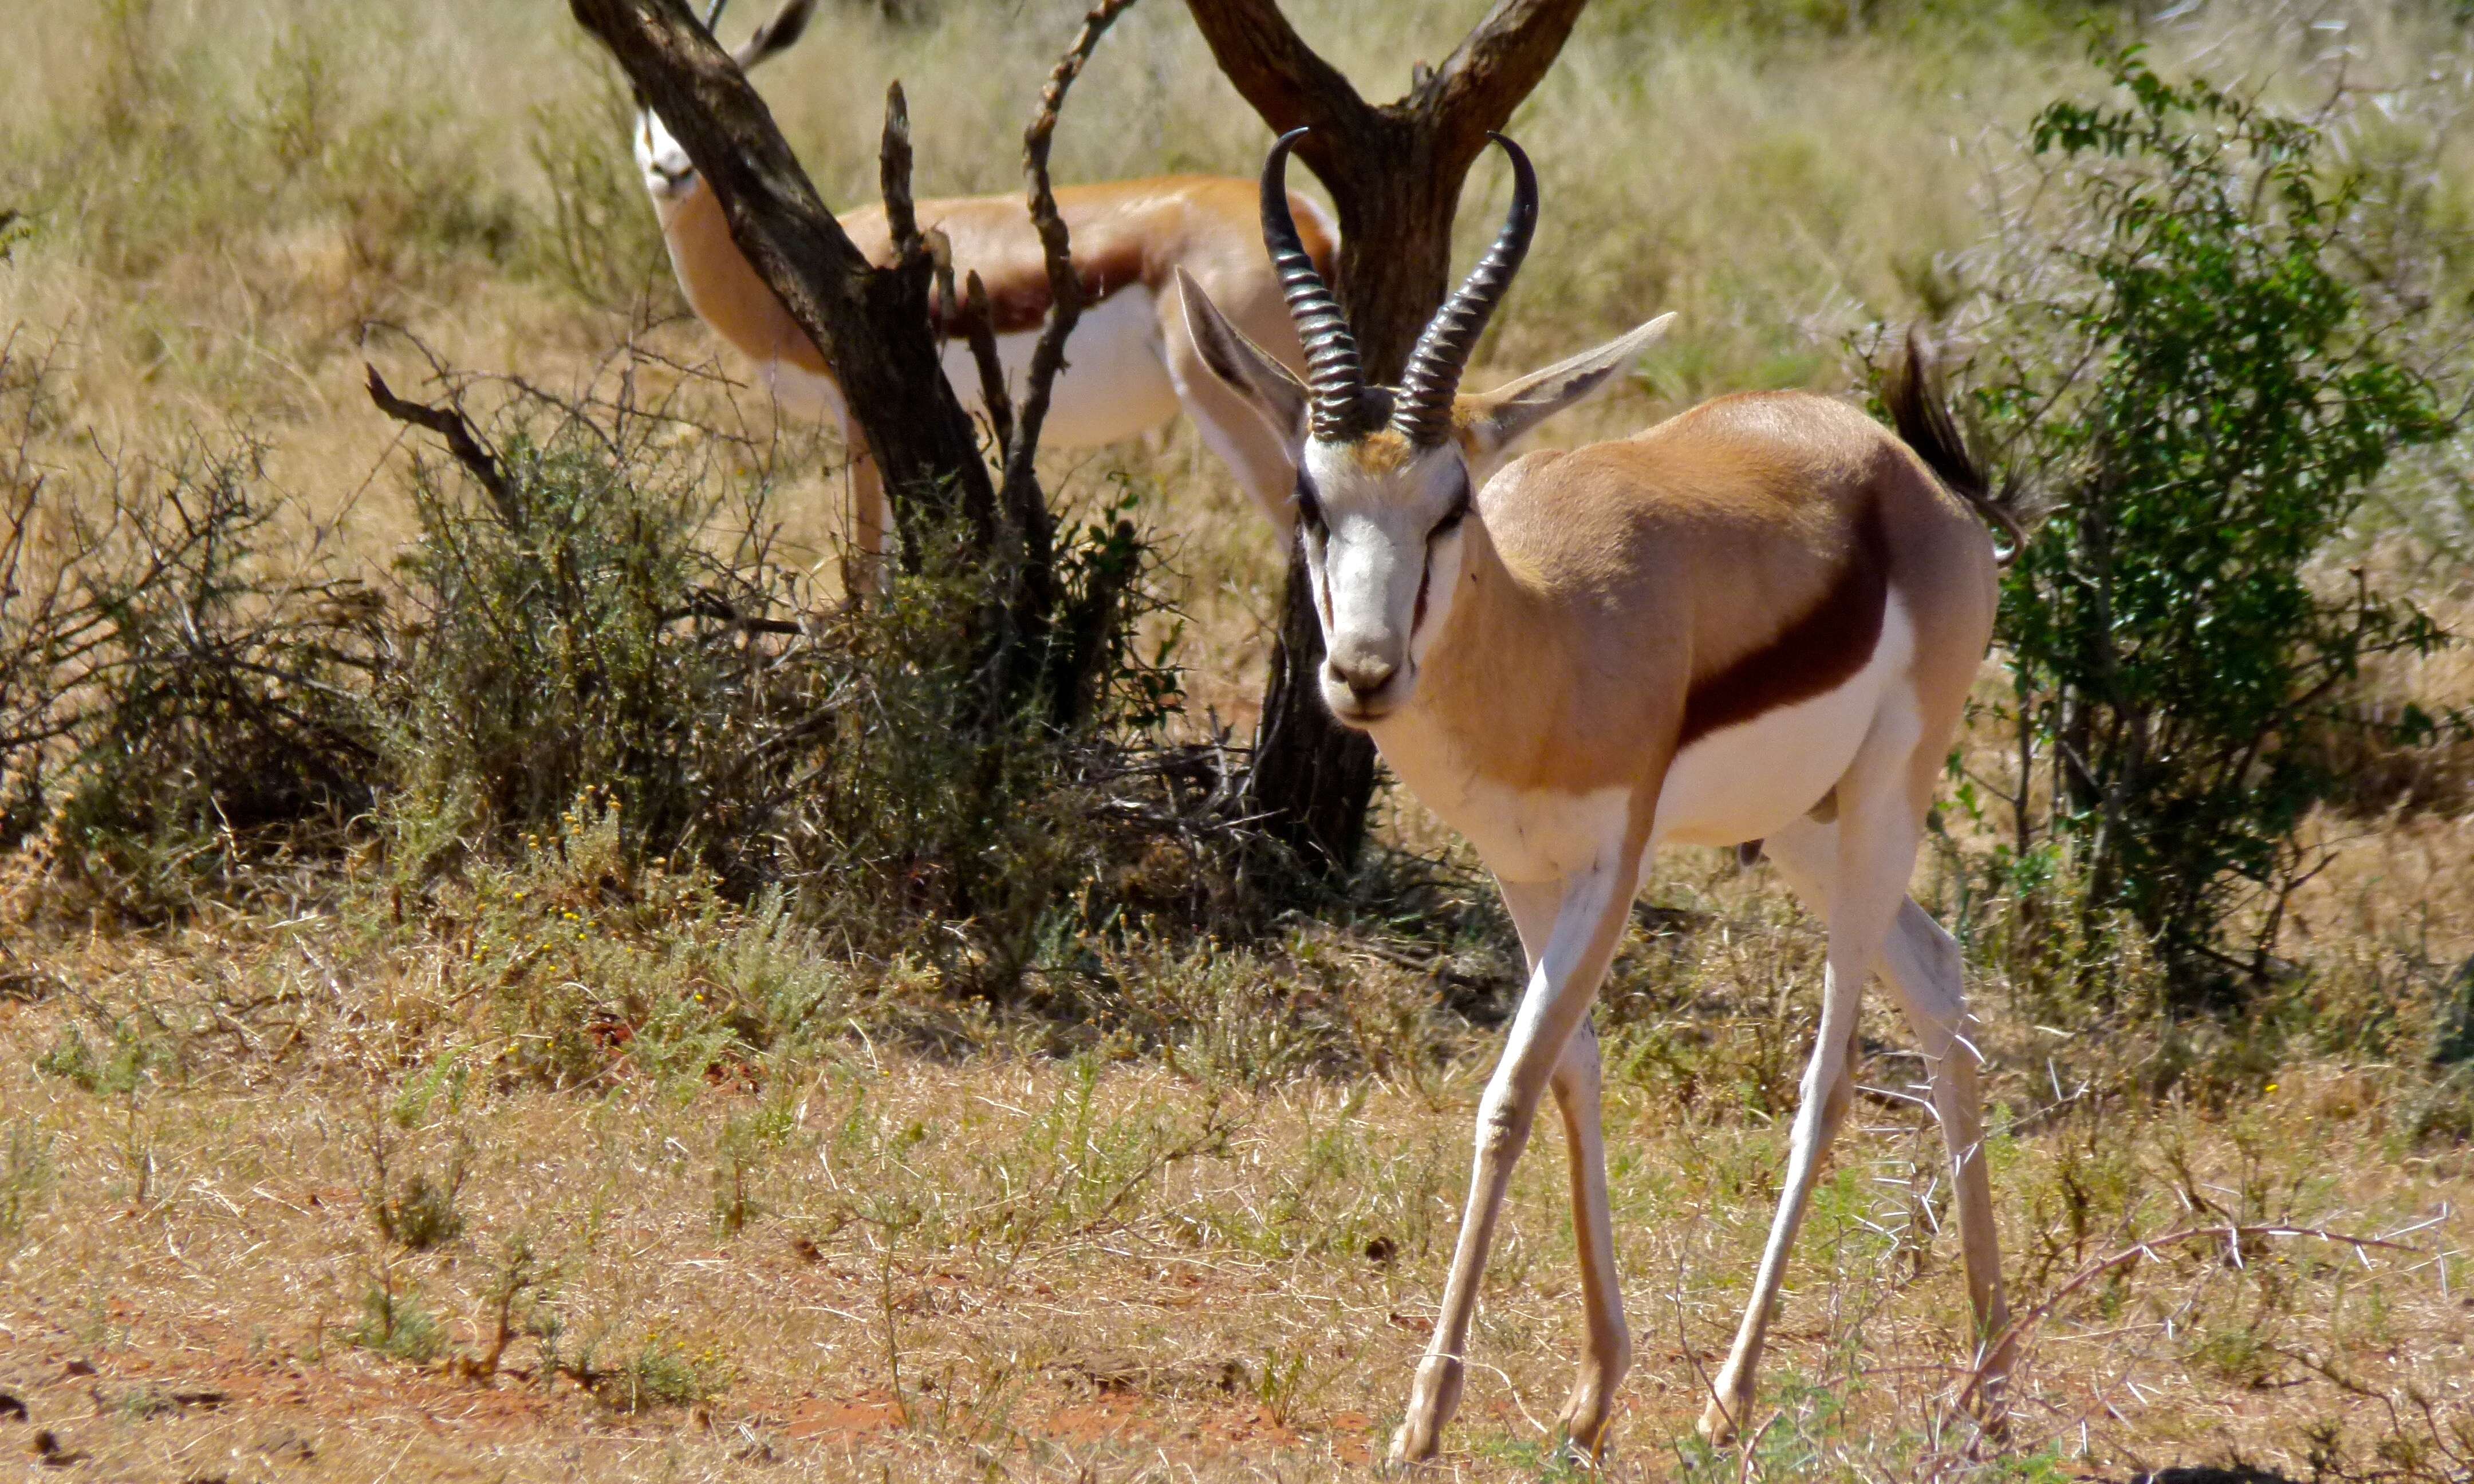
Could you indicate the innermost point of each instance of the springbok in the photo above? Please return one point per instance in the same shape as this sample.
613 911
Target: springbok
1130 364
1756 620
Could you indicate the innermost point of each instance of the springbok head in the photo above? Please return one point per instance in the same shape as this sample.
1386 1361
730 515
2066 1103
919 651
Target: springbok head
1387 477
668 174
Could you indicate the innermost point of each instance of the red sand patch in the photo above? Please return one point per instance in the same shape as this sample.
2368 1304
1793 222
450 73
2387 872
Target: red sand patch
825 1420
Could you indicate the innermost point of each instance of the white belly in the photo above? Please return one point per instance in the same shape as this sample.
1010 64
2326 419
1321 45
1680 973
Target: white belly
1738 783
802 396
1115 382
1747 781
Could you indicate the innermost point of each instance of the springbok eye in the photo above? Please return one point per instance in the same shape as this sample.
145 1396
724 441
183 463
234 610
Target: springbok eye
1452 517
1309 508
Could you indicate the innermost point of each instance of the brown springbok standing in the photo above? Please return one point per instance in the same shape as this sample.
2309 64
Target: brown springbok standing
1129 365
1759 619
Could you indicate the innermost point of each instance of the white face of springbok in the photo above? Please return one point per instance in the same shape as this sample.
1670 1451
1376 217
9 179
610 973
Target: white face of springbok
1387 477
670 176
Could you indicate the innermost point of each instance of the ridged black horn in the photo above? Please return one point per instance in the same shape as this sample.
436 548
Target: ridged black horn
712 17
1423 412
1333 374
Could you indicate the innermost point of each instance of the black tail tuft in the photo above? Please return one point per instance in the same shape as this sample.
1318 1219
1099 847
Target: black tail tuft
1912 391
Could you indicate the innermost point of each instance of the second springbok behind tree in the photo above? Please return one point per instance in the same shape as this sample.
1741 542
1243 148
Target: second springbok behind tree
1130 366
1757 620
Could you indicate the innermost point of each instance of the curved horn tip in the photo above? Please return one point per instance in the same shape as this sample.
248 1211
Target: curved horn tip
1433 374
712 17
1524 177
1276 164
1333 373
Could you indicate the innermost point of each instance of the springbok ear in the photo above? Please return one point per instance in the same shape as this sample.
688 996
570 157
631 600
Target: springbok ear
776 35
1267 386
1492 420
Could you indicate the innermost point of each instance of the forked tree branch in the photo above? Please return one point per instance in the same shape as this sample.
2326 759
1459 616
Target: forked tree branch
871 323
1457 105
1494 67
1283 79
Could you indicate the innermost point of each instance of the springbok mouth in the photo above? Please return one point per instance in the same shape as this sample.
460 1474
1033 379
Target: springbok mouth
1360 714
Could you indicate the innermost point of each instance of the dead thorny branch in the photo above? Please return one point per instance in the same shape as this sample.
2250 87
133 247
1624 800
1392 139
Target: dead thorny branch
2000 1355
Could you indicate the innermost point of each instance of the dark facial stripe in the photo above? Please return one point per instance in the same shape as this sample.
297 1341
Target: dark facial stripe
1821 649
1021 305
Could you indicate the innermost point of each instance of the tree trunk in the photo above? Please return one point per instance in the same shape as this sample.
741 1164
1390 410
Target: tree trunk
1394 173
872 323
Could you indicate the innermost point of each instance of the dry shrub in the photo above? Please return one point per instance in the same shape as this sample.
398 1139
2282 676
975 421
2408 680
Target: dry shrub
177 704
607 612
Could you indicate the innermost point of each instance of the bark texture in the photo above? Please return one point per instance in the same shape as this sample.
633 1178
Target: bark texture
872 323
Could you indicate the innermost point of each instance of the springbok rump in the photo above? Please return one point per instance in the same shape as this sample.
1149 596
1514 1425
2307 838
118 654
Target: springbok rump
1757 619
1130 364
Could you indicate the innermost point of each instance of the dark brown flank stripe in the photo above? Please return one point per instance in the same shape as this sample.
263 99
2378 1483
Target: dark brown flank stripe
1821 649
1021 305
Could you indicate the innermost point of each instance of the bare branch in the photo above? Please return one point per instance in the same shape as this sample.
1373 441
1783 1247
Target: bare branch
448 423
980 328
893 174
1493 68
1064 285
1274 70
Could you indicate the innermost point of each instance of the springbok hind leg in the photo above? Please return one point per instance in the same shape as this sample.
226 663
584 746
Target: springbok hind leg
1922 966
1866 881
1922 963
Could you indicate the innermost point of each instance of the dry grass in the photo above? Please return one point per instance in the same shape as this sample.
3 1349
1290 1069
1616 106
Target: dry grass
856 1252
764 1214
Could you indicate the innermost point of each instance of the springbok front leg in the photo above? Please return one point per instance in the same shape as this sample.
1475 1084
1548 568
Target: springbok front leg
1878 828
1589 922
1577 1086
866 553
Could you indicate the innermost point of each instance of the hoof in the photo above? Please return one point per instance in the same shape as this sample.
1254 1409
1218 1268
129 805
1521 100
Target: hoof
1718 1428
1412 1443
1581 1428
1432 1399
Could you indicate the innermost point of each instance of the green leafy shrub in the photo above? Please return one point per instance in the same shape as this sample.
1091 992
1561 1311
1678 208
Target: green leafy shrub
395 1325
660 1372
595 627
2182 374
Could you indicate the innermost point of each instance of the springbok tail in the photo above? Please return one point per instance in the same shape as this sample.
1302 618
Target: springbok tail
1919 409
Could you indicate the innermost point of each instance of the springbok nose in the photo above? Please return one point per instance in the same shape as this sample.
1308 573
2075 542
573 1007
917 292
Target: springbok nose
1365 675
